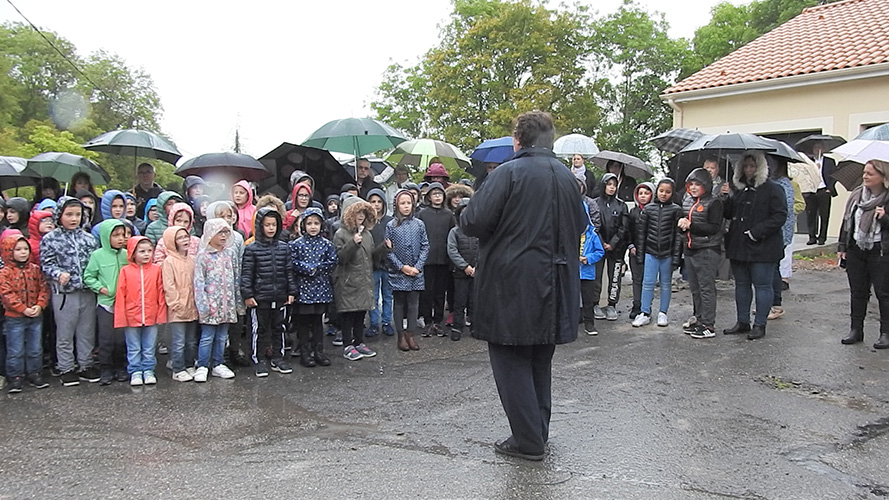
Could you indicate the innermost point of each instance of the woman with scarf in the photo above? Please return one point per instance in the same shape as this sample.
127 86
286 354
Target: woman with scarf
865 251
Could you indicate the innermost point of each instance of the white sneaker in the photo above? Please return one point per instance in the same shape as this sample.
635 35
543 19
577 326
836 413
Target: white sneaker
136 379
662 319
222 371
149 378
190 370
183 376
200 375
641 320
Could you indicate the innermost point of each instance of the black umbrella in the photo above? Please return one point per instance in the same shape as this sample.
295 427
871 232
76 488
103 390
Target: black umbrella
633 167
11 173
282 161
672 141
783 150
134 143
828 141
232 166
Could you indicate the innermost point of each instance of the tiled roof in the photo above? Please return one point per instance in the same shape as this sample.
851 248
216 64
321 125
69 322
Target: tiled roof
845 34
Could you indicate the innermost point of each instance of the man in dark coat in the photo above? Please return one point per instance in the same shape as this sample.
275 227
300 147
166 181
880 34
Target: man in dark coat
365 178
818 203
528 217
145 188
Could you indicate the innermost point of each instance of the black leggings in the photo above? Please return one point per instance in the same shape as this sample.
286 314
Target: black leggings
353 327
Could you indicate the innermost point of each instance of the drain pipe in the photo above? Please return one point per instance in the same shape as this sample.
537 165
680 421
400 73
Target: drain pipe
678 110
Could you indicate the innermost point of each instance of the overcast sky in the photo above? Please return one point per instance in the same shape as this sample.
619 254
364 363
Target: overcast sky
275 70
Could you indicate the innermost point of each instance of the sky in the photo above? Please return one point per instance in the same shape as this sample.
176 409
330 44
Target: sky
275 71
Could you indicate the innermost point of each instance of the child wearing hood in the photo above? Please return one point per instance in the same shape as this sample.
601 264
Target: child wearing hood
613 233
18 210
643 195
39 223
407 259
591 252
437 273
381 313
165 202
64 254
302 199
181 215
101 276
177 270
138 308
217 297
113 205
91 204
24 294
242 196
150 212
659 248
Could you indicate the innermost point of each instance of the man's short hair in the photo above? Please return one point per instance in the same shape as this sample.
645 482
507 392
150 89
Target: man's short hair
401 169
535 128
149 165
365 160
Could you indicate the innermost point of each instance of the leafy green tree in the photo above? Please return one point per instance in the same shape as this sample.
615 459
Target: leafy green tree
43 137
127 98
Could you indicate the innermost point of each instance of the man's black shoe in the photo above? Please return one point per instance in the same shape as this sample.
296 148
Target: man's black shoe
505 447
738 328
811 241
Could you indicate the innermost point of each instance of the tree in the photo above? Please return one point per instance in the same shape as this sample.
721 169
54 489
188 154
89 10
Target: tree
119 96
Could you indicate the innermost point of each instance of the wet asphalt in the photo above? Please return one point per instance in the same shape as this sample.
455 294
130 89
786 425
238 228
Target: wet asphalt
639 413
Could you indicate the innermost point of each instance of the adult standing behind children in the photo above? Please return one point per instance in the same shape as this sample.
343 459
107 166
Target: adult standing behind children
528 217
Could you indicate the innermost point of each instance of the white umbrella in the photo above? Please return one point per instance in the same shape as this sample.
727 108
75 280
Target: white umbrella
574 144
862 150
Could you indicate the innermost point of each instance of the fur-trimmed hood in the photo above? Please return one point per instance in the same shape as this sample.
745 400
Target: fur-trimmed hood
762 170
455 190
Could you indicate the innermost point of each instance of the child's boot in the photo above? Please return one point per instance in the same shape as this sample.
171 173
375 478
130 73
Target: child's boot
402 342
320 358
305 356
411 342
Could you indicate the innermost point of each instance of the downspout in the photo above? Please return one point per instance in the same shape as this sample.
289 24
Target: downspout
677 111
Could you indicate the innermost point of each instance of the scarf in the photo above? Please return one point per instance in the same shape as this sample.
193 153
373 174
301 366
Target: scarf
865 201
579 172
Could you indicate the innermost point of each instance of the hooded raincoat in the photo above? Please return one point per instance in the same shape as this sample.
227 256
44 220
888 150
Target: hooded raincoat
140 292
160 251
178 276
246 211
66 250
105 265
216 277
22 285
156 229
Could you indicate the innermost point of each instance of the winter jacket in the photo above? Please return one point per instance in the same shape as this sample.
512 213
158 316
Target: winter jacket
847 229
410 247
105 264
462 251
160 250
614 220
22 284
216 277
528 217
591 248
178 276
314 260
757 212
704 213
66 251
636 212
34 236
439 222
266 272
353 278
105 210
787 228
22 207
245 212
140 292
379 231
155 229
294 214
657 232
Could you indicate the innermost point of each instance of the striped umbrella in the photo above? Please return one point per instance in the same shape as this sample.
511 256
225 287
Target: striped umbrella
672 141
419 152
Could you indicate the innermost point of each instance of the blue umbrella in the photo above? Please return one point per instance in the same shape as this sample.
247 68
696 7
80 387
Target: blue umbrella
493 150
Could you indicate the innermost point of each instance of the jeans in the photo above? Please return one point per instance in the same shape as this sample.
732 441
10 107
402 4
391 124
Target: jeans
656 267
140 348
211 349
183 345
384 288
24 346
759 275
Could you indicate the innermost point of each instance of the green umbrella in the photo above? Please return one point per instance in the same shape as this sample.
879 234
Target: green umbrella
358 136
134 143
63 166
419 152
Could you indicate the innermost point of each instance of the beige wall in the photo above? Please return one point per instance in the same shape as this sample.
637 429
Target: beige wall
835 108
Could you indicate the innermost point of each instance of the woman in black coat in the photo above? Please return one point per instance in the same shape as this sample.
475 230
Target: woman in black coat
754 243
528 217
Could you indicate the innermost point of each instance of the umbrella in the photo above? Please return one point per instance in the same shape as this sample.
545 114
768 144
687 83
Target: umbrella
574 144
228 164
855 154
494 150
358 136
11 168
848 173
420 152
732 143
878 133
282 161
828 141
672 141
783 150
63 166
135 143
633 167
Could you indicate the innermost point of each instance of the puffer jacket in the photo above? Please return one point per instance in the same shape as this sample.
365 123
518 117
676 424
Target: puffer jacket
591 248
22 285
462 248
34 235
636 212
757 210
105 264
704 213
160 250
657 232
140 292
178 276
314 259
409 248
66 251
266 272
155 229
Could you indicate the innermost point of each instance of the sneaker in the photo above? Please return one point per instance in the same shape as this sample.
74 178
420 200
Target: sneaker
388 330
437 330
262 369
371 331
122 375
338 338
182 376
598 313
190 370
776 312
91 374
222 371
162 348
690 325
200 374
149 378
590 328
703 332
16 384
611 313
69 378
331 331
365 351
662 319
36 381
351 353
456 334
136 379
281 366
641 320
107 377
